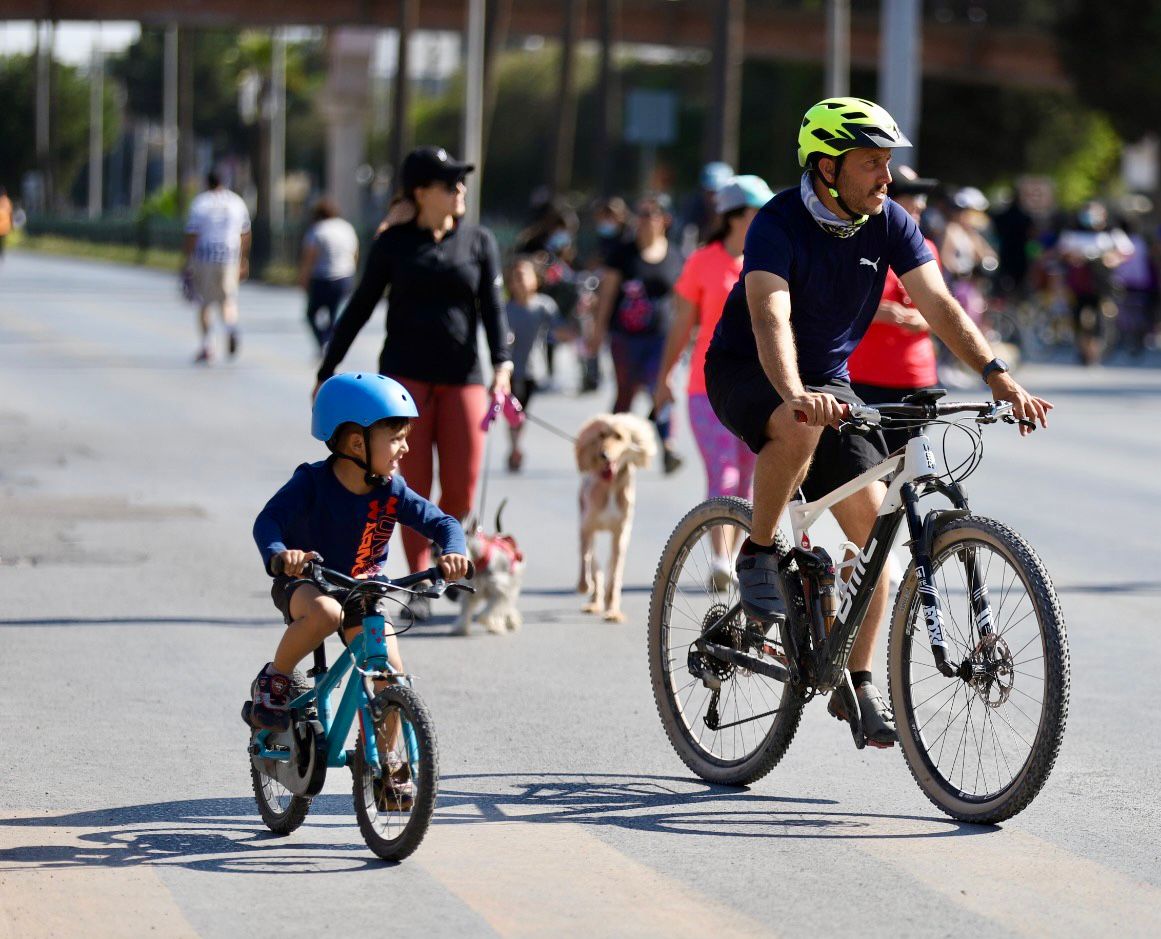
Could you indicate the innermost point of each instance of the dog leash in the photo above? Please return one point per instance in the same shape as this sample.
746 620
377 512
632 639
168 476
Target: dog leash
549 427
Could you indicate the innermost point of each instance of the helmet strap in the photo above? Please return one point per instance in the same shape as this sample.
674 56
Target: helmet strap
832 188
371 479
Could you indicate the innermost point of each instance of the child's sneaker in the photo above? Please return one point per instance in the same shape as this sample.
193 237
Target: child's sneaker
270 700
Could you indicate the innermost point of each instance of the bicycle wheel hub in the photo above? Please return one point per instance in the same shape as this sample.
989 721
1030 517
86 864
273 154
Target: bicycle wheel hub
725 633
993 671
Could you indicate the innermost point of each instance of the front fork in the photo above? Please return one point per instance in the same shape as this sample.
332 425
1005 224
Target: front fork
374 659
923 531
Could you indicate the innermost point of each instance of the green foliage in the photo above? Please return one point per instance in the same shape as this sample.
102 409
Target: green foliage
1110 52
160 204
70 118
983 136
220 59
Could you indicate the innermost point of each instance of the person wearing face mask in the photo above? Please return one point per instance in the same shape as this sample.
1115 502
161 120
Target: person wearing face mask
634 303
445 278
549 241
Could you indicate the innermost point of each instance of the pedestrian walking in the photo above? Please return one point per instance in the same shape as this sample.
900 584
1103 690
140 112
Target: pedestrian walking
896 357
216 259
634 309
444 275
699 295
532 318
330 256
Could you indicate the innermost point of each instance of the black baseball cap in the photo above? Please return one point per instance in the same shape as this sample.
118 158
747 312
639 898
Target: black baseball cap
426 165
909 183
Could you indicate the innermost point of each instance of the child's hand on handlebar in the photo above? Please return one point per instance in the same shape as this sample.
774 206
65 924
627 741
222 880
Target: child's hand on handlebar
292 562
453 566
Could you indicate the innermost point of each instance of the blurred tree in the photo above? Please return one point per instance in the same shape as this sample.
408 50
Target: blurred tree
70 116
221 58
1110 51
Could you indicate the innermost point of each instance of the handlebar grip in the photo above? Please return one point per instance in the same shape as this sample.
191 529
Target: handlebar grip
800 416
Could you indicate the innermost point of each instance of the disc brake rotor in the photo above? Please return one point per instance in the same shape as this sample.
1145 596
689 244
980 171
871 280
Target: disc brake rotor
993 671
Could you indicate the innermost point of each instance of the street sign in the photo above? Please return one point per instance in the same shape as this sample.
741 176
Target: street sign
651 117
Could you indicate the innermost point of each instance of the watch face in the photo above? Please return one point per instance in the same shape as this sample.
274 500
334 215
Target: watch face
999 365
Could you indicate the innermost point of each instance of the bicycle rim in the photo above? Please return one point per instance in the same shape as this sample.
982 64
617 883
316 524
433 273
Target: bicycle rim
394 805
981 750
756 716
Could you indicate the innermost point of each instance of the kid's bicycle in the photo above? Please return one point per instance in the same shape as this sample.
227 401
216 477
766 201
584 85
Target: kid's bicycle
978 666
395 759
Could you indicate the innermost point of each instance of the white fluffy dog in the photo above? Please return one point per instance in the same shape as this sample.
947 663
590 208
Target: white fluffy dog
609 449
499 574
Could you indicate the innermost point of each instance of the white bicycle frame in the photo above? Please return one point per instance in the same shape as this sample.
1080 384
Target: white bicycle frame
917 463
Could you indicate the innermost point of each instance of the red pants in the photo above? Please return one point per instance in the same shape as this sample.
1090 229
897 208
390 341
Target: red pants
449 422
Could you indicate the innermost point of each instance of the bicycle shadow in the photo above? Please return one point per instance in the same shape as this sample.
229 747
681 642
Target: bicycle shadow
672 805
225 835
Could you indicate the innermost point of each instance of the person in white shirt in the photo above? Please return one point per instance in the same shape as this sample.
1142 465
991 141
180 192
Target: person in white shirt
330 255
217 258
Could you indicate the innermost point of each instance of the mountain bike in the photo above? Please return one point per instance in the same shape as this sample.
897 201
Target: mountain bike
395 760
978 665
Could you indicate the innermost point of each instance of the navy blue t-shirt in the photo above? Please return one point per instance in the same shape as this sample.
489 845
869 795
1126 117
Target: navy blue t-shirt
316 512
835 283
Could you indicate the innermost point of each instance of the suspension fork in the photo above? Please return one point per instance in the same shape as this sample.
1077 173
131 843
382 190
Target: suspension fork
922 531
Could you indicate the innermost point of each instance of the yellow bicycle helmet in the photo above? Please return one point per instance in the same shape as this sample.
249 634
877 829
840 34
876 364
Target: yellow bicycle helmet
836 125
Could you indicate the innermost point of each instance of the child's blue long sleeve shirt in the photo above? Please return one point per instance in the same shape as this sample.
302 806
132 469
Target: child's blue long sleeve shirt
315 512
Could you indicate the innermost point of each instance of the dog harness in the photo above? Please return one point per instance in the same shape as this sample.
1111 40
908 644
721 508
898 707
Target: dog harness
503 543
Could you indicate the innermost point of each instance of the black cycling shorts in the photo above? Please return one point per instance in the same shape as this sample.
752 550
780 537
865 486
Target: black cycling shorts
283 588
743 399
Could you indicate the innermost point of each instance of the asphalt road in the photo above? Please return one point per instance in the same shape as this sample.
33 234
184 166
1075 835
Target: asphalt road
134 611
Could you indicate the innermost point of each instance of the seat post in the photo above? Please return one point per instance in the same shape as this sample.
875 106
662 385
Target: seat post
320 661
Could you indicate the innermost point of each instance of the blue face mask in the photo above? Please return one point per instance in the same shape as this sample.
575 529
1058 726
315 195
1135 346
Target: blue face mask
607 229
558 241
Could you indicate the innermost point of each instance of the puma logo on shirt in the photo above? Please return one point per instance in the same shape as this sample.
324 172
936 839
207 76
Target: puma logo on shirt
872 264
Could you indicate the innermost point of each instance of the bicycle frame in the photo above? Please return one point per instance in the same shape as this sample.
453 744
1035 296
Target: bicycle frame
369 648
917 474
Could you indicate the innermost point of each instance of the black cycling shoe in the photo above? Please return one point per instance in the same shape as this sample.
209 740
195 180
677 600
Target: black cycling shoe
877 717
269 702
760 586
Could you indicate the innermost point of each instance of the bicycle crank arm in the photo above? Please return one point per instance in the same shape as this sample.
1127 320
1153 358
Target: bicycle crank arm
751 663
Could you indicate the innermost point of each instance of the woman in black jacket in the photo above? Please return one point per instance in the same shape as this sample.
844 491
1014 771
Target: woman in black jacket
444 279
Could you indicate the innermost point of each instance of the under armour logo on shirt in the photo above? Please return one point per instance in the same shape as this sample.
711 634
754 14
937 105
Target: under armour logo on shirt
872 264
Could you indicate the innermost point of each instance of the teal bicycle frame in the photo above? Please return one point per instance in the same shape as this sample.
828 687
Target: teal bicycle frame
369 649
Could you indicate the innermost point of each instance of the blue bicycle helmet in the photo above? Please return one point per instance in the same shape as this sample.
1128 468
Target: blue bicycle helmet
358 398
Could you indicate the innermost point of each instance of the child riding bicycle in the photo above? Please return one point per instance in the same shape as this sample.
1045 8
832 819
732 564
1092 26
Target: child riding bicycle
343 508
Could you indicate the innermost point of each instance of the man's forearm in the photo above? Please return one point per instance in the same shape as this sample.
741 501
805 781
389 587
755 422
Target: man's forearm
957 331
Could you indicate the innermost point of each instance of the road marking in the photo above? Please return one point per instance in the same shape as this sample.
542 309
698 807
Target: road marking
556 879
1023 883
47 890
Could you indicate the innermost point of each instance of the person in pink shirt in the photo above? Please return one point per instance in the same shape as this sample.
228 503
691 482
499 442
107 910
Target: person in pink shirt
700 293
896 357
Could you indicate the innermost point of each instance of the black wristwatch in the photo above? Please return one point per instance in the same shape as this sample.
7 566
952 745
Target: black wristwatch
996 365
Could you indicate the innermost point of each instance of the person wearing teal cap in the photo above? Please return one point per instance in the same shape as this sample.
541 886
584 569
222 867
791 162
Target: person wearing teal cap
699 295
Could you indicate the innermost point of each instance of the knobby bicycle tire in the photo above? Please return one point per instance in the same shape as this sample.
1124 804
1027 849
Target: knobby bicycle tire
765 754
974 535
425 775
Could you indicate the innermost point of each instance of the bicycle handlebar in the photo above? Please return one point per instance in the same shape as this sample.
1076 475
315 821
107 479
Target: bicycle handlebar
867 416
325 577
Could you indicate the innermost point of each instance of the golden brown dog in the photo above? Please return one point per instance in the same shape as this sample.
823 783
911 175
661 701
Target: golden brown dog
609 449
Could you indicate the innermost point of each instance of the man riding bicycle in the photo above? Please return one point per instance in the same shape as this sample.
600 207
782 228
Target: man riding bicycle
816 260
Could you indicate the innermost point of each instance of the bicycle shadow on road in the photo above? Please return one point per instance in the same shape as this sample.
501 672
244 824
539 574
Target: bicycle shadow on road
211 835
671 805
226 836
